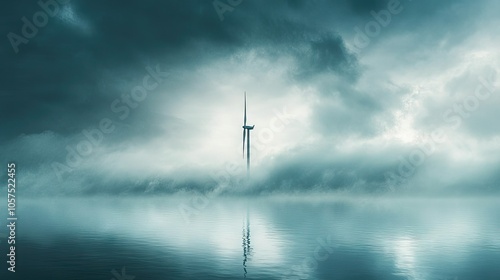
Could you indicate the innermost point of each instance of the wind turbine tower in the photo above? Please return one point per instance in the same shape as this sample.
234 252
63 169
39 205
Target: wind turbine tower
246 136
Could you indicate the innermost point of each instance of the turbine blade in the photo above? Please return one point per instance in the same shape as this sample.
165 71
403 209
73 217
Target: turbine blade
244 136
245 117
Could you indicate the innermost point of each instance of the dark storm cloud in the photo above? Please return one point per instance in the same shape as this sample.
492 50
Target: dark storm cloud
60 71
327 54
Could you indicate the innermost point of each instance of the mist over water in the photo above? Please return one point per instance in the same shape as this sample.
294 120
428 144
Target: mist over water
279 237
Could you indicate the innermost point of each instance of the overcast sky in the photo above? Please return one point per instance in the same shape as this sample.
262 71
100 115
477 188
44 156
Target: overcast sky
377 96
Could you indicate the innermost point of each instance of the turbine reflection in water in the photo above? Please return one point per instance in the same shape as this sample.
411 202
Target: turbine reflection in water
247 249
385 239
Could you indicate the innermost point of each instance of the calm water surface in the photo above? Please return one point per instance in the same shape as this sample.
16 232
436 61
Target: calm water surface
272 238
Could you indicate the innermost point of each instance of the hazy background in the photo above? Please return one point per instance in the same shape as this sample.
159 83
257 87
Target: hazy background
328 114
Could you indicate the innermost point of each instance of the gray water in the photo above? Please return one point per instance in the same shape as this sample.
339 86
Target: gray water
260 238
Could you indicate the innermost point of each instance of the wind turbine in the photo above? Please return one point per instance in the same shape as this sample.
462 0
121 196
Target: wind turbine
246 136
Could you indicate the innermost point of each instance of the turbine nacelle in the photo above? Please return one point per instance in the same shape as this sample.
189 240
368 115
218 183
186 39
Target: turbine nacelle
248 127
